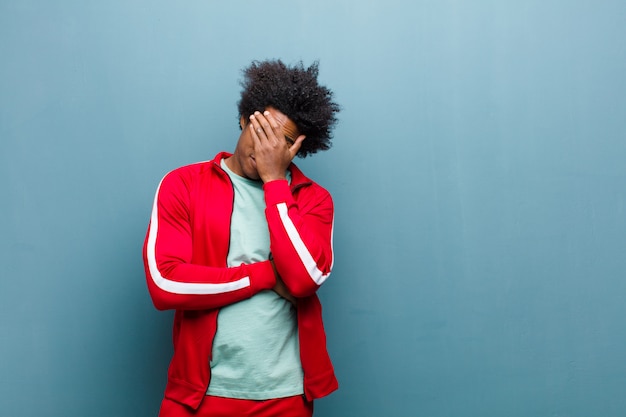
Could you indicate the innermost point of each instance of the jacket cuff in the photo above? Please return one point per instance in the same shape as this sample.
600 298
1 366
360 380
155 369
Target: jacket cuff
262 276
277 191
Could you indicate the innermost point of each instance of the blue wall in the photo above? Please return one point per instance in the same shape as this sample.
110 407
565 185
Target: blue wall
478 172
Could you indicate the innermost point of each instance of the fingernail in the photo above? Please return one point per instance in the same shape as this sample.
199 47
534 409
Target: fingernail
266 113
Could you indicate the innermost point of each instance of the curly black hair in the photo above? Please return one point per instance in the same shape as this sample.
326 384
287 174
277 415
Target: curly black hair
295 92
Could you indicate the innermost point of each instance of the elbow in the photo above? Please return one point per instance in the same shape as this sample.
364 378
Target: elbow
306 282
162 300
304 288
159 301
304 292
160 305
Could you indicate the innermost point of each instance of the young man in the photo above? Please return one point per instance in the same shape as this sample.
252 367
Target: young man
238 246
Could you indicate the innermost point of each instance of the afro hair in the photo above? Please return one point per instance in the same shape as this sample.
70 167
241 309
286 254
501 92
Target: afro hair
296 93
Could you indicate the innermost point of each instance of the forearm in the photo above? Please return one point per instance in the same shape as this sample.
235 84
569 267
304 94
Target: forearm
176 280
184 286
301 243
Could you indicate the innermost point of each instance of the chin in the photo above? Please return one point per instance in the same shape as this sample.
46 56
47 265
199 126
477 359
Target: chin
252 175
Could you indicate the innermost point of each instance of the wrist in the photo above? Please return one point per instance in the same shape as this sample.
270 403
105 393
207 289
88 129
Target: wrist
270 178
277 192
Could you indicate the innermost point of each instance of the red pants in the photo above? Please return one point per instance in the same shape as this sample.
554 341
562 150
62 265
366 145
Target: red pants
211 406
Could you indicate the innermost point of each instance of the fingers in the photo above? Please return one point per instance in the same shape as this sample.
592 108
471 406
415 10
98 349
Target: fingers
256 130
273 123
266 130
266 127
281 289
296 145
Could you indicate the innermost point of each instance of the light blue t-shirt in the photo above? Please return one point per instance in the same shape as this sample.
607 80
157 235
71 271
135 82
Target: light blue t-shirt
256 353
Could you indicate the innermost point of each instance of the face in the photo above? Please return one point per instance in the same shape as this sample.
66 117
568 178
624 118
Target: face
242 162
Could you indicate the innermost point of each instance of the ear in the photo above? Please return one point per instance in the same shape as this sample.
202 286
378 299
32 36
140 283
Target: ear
242 122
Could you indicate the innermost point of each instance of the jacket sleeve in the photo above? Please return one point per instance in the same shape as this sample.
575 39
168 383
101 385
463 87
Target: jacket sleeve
176 283
300 238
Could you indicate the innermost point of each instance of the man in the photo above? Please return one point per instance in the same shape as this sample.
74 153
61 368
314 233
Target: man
238 246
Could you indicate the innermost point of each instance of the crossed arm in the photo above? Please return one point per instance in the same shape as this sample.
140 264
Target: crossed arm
300 240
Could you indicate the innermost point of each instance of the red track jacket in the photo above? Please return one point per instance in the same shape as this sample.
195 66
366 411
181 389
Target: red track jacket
185 260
